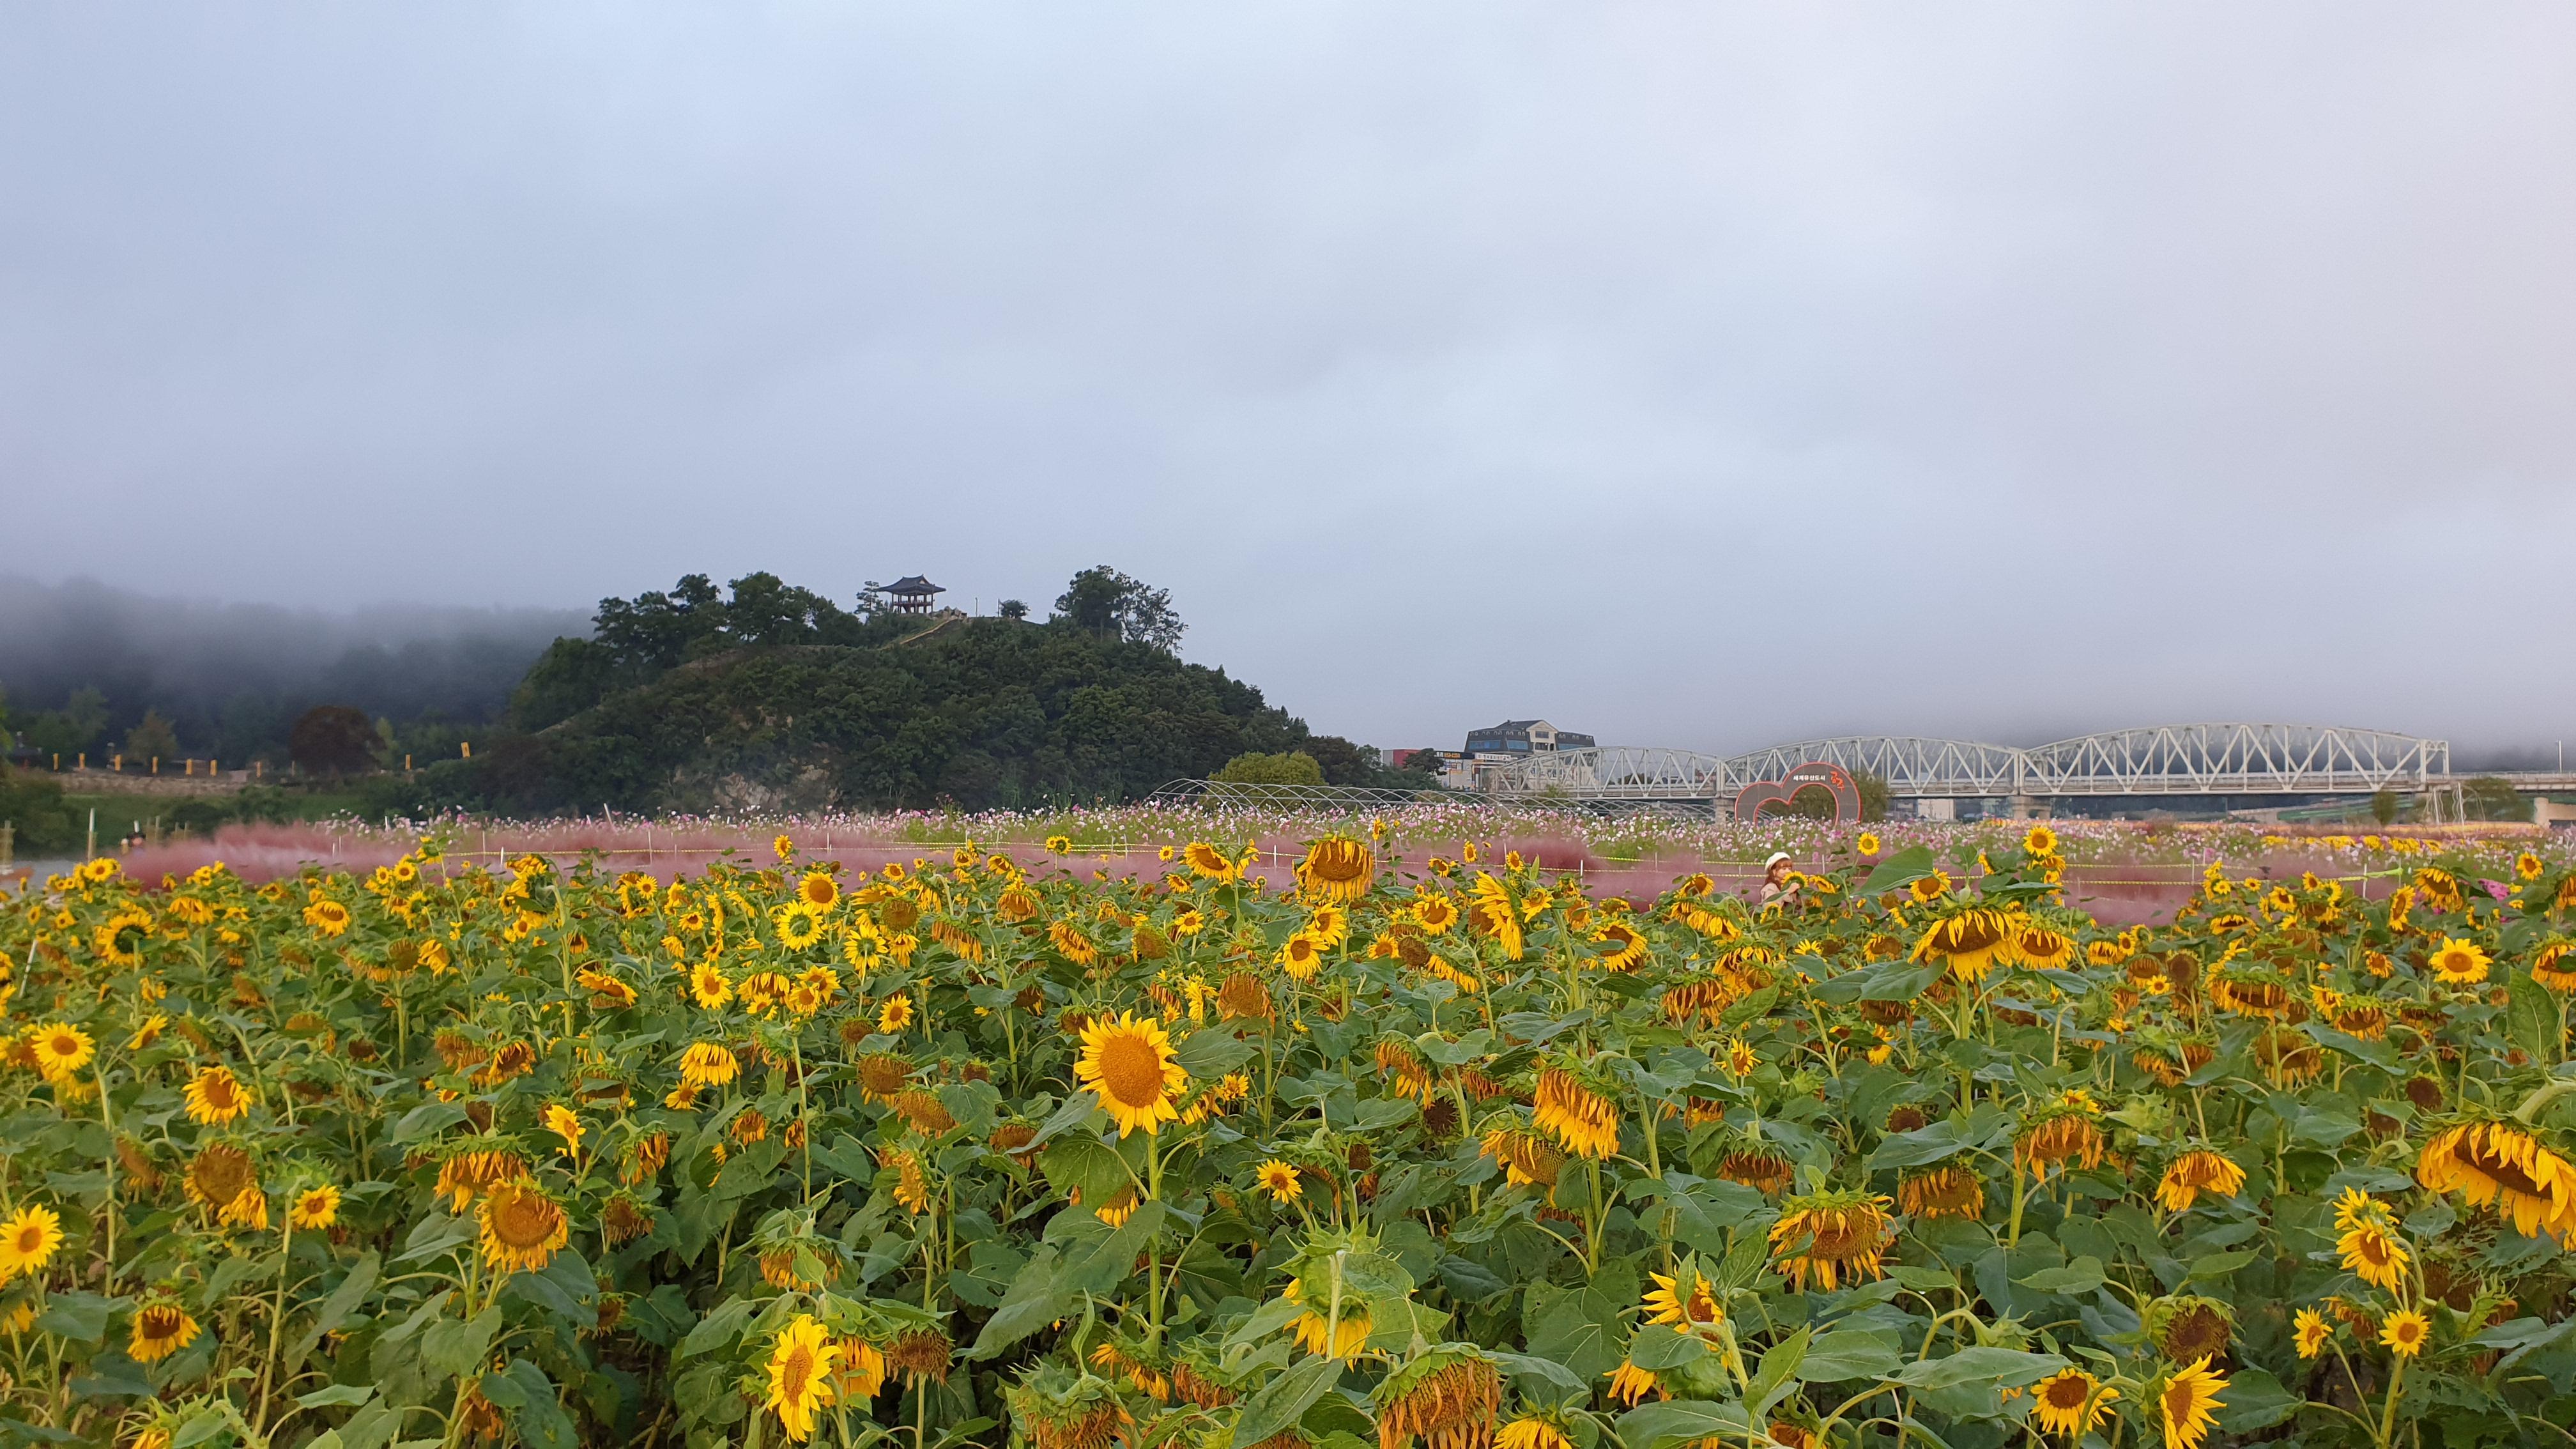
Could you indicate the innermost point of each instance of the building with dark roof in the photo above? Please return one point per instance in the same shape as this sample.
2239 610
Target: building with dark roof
911 594
1524 736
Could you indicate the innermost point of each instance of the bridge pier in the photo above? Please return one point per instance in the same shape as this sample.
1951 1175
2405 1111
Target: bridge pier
2029 807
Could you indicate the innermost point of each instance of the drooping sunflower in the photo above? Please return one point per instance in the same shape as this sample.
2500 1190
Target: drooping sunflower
1684 1300
1953 1192
1337 869
1494 916
2195 1172
522 1227
1207 862
61 1049
1316 1325
1280 1181
215 1096
1129 1063
708 1064
2458 963
565 1123
218 1174
2405 1333
2554 965
28 1240
2070 1402
2041 948
160 1329
1623 946
327 916
2504 1164
2184 1405
1447 1397
1969 943
1527 1158
2058 1133
801 1364
1578 1117
1831 1235
1629 1383
314 1208
1532 1432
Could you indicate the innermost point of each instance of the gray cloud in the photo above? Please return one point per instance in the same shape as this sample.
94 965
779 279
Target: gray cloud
1688 374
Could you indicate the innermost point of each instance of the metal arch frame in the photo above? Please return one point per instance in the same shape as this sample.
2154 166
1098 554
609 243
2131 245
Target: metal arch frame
2229 758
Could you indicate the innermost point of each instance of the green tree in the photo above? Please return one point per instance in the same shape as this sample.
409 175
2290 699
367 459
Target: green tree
1014 609
1285 768
2491 797
73 728
2384 806
152 739
1101 600
333 739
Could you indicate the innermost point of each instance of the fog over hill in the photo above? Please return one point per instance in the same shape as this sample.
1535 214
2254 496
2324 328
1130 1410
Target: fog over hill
231 676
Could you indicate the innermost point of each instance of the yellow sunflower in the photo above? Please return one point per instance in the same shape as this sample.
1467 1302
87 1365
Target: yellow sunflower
1867 844
2314 1332
2458 963
2184 1404
1129 1063
160 1330
314 1208
121 938
707 986
61 1050
2405 1333
800 923
819 890
28 1240
1280 1181
2040 840
801 1364
2070 1402
895 1015
215 1096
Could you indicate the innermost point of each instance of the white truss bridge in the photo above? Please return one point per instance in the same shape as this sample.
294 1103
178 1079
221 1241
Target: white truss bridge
2193 759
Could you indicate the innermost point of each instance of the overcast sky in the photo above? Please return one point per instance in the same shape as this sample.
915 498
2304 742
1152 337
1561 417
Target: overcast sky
1690 374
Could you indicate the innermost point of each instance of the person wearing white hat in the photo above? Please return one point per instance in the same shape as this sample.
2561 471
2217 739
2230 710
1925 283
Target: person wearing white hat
1779 883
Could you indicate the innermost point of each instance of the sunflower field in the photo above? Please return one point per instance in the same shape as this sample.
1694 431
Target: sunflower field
991 1147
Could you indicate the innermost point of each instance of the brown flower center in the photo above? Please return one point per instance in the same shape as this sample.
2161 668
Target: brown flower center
1131 1069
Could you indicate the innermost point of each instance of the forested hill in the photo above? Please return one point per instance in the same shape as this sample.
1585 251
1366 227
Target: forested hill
977 712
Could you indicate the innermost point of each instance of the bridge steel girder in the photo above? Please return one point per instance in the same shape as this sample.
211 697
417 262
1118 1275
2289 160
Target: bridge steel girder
2231 758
